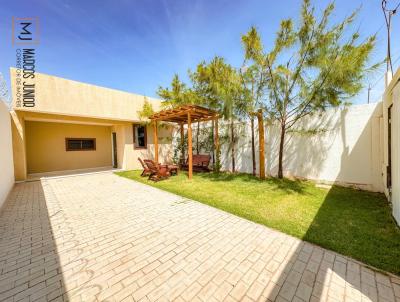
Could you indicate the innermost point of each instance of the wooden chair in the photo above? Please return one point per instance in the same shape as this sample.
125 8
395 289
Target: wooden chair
200 163
146 171
157 171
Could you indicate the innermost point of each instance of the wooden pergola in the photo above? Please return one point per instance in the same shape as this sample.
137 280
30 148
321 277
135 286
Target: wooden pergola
185 115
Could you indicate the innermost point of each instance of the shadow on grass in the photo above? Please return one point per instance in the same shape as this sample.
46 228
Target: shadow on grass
357 224
286 185
353 223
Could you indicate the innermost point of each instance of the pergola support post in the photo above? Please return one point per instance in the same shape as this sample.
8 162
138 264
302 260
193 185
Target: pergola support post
155 136
217 152
190 149
182 143
261 143
182 115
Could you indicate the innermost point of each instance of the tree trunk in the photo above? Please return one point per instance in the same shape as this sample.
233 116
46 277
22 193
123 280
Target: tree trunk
212 140
197 138
253 148
281 145
233 145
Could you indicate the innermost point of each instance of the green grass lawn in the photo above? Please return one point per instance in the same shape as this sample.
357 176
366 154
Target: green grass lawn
351 222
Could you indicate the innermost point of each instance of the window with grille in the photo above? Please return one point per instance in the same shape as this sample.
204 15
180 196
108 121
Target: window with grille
140 136
80 144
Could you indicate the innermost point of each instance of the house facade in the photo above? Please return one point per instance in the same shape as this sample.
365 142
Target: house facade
78 126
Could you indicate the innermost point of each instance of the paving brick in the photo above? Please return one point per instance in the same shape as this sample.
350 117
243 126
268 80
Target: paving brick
287 291
304 291
207 291
255 291
239 290
294 278
191 291
102 237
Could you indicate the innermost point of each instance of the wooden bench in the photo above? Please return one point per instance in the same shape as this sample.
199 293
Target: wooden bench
200 163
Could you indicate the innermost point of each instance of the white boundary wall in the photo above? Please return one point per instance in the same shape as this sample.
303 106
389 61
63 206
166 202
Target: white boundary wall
395 153
391 99
345 149
6 154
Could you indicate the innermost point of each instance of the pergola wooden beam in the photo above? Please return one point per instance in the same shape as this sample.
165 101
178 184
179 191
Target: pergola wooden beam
179 120
197 112
185 115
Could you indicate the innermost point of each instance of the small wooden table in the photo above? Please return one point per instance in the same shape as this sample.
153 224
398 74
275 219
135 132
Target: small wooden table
173 169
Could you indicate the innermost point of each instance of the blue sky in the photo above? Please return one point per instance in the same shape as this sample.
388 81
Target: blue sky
137 45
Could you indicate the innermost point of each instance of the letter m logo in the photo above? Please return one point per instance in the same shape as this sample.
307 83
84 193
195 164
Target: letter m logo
25 31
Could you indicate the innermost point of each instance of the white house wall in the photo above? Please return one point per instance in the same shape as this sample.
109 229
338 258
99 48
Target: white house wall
6 153
395 119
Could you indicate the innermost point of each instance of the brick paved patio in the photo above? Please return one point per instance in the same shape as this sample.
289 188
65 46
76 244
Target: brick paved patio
102 237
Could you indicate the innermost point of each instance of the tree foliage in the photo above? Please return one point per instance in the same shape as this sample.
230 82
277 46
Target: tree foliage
147 110
312 66
215 85
4 92
219 85
254 79
179 94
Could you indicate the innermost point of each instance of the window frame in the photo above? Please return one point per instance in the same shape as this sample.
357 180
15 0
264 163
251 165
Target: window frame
134 137
81 139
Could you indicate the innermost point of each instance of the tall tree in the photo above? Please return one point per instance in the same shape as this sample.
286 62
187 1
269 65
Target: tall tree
201 85
147 110
4 92
219 83
313 66
254 78
178 95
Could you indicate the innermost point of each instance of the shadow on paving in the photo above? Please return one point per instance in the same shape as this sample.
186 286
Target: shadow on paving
311 273
34 234
29 261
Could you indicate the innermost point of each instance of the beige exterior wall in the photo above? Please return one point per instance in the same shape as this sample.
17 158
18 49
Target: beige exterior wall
6 154
46 149
63 106
129 154
165 151
27 160
61 96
